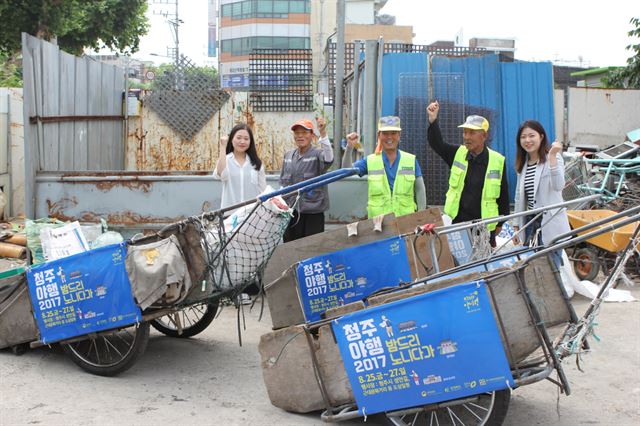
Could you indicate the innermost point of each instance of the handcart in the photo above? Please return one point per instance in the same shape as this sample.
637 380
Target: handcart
218 253
528 328
599 252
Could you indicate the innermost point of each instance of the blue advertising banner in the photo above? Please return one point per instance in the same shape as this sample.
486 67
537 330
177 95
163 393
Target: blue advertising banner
81 294
351 274
460 246
429 348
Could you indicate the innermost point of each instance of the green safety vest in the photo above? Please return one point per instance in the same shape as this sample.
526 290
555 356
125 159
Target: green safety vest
490 190
381 200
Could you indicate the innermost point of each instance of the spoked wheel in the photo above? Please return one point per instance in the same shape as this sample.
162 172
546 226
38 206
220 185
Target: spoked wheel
193 320
484 409
111 353
586 264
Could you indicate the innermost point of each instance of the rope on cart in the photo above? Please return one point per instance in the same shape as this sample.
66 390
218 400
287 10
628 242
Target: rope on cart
575 335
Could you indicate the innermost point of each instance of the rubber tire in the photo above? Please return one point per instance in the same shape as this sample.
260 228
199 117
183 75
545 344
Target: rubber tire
498 412
588 254
500 408
139 346
197 328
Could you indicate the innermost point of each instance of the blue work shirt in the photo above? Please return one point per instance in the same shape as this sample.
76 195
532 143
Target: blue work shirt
389 169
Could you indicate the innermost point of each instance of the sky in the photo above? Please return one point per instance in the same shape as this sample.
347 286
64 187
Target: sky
567 32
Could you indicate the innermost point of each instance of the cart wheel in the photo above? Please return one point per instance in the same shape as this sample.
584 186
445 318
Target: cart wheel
109 354
194 319
586 264
20 349
488 409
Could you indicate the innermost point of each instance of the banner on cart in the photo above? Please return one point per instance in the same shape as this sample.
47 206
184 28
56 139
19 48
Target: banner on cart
81 294
351 274
425 349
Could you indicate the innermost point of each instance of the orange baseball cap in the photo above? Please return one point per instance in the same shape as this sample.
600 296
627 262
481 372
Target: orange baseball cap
307 124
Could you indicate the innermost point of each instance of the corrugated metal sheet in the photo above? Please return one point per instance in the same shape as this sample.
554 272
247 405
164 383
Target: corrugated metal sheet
393 66
527 93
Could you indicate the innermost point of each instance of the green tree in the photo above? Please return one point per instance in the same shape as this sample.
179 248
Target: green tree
629 76
10 71
193 79
76 24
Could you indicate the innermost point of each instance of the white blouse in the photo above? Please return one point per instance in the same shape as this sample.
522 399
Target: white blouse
240 182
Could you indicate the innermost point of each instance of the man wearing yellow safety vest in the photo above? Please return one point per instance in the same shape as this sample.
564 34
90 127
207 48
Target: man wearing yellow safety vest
395 183
478 182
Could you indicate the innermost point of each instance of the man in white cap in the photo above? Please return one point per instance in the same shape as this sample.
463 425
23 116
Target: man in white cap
395 183
478 182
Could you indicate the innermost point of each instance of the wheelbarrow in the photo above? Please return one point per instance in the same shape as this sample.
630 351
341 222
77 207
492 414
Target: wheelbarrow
600 251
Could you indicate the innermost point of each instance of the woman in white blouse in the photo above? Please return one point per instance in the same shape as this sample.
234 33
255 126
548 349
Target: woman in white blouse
540 171
239 167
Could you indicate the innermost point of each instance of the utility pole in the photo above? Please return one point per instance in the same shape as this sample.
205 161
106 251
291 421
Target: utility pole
338 108
174 21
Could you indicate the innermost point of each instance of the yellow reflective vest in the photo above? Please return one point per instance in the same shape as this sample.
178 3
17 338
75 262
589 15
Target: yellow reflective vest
490 189
381 200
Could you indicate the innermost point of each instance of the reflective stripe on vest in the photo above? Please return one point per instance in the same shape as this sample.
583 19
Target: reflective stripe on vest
381 201
490 190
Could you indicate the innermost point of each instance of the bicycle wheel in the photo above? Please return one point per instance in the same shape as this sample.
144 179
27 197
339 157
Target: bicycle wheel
586 263
194 319
110 353
484 409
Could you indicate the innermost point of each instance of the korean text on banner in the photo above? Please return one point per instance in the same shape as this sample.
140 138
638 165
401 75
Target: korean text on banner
350 274
81 294
425 349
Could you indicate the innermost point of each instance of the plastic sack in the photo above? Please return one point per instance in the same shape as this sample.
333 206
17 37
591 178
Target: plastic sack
32 230
107 238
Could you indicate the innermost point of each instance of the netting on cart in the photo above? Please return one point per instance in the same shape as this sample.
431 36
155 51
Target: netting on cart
224 254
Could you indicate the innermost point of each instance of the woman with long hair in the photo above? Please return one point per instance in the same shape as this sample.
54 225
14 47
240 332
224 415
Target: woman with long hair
239 167
540 170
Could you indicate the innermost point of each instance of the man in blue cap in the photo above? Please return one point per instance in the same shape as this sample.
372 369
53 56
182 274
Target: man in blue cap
395 183
478 182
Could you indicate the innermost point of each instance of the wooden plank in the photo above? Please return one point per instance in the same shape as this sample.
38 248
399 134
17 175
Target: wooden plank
95 108
292 252
81 107
67 97
281 289
51 97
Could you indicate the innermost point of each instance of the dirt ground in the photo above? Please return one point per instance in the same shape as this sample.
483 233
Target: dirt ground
210 379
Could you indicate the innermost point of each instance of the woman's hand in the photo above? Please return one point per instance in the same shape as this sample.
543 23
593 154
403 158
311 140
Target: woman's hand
516 239
556 147
224 141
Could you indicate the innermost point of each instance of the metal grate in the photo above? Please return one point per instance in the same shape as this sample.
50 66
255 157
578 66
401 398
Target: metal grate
281 80
389 48
186 98
411 106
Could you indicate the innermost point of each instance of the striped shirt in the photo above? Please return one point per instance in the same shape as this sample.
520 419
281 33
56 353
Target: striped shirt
529 179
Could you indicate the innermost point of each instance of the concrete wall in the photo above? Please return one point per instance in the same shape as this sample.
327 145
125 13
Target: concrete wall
12 139
602 117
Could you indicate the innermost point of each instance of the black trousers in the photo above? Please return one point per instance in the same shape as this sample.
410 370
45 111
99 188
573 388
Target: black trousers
303 224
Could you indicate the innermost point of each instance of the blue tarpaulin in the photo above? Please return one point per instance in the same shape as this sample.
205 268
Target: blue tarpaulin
81 294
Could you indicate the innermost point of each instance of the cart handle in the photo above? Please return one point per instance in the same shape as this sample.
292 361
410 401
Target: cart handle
312 183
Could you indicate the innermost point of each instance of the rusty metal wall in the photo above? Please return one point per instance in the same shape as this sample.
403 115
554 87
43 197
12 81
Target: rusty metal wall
153 146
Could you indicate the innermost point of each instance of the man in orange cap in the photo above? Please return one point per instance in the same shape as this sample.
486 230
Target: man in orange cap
395 183
478 182
306 162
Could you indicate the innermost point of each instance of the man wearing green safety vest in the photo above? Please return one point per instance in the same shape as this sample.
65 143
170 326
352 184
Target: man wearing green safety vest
478 182
395 183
